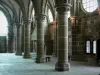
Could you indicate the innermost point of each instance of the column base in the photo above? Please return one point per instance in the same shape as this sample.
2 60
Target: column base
27 56
11 51
40 60
19 54
98 62
62 67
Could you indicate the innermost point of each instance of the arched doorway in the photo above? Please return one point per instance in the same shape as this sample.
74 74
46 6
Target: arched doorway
98 51
3 32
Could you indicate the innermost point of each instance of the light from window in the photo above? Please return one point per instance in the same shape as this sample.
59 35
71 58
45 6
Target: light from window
68 14
33 12
90 5
87 46
94 47
50 16
3 25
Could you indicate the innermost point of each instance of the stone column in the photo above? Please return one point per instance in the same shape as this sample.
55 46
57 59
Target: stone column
22 38
19 28
14 37
10 38
27 35
41 22
62 7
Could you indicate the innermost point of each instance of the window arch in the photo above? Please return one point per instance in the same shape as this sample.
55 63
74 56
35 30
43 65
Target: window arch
90 5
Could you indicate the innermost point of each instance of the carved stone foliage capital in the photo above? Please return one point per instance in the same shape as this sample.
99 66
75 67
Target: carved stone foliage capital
63 9
42 17
18 25
62 3
27 22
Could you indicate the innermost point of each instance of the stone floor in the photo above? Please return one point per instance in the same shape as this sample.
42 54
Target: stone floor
16 65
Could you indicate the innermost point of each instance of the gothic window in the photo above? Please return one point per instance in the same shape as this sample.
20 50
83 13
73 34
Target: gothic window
33 13
91 47
90 5
68 14
94 47
50 16
87 46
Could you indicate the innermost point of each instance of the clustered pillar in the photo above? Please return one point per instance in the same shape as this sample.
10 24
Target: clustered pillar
62 7
14 39
27 35
10 39
41 22
19 29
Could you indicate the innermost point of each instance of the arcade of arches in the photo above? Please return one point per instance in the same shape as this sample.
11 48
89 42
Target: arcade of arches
64 33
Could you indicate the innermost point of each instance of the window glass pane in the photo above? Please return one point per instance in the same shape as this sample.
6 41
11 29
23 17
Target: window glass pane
84 5
88 47
94 47
33 12
50 16
68 14
90 5
87 4
87 9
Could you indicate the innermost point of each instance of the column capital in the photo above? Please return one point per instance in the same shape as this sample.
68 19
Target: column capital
41 17
63 5
12 23
18 25
27 22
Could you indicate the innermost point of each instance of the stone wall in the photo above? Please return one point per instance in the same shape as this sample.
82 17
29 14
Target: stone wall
78 40
3 44
87 28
